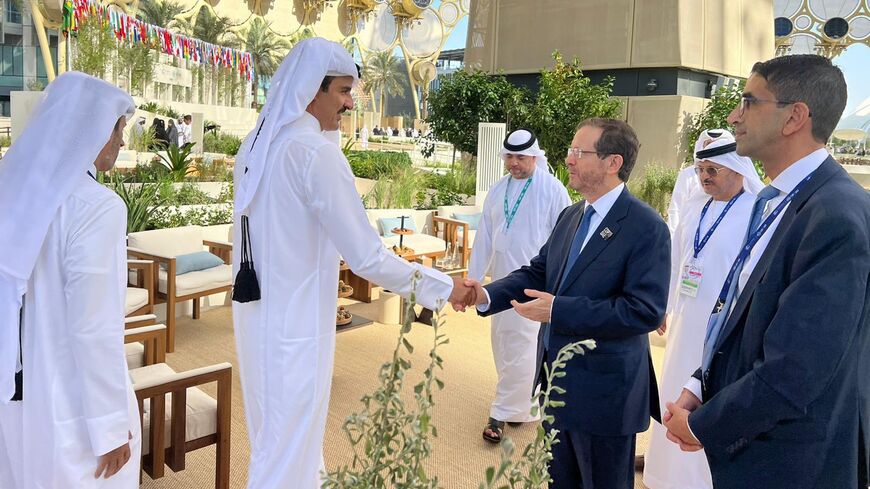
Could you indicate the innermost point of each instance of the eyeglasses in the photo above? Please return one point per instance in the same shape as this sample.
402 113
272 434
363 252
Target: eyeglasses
746 101
578 153
709 170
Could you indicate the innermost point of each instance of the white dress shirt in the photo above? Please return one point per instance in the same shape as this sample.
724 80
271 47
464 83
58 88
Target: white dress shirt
785 183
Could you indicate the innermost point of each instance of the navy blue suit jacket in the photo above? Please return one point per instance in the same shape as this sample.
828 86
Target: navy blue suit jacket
616 293
781 397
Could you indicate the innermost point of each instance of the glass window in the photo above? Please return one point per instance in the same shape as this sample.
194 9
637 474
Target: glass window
13 15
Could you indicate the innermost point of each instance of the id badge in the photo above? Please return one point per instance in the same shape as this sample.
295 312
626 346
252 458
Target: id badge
690 281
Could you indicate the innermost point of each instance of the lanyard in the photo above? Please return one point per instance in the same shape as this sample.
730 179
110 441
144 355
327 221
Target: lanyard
750 243
700 243
510 217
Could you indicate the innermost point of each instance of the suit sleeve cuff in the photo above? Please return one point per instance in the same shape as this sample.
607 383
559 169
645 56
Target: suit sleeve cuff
484 307
693 385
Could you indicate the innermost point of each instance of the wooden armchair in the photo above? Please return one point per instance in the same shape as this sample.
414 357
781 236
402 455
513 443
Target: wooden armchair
456 233
174 412
140 288
162 246
145 345
180 417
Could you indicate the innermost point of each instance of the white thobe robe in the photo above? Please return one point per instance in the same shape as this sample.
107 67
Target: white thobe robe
185 133
498 251
687 188
304 215
666 466
364 137
78 401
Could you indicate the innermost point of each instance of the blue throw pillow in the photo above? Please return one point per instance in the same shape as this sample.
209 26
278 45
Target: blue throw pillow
472 219
193 262
387 224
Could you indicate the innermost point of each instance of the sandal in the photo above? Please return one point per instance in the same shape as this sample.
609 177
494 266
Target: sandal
493 430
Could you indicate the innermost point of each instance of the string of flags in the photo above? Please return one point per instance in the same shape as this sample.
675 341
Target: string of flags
132 30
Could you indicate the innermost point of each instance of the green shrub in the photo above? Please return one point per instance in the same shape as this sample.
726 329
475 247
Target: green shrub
141 200
401 191
213 170
152 107
172 217
190 194
217 142
5 141
142 140
377 164
656 187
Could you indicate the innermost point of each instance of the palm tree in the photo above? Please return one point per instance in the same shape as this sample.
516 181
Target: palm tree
160 12
384 75
209 27
266 48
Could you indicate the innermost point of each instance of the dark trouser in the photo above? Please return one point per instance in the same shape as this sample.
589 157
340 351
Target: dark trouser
585 461
862 460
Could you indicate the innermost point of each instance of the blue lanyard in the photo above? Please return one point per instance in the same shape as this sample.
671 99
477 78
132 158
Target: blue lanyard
510 217
700 243
750 243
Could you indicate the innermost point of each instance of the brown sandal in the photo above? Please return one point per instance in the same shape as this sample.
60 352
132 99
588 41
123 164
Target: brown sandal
493 431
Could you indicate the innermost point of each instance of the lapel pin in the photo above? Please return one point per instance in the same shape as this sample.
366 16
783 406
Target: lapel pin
606 233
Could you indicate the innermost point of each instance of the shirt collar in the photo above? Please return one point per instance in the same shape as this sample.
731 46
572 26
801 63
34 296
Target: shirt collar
797 171
605 202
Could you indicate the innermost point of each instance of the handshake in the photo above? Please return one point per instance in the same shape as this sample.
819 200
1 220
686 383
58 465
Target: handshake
466 293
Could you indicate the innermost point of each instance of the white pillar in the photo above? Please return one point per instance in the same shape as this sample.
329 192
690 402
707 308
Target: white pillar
490 137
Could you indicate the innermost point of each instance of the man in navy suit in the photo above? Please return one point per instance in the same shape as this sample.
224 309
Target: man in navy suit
603 274
780 380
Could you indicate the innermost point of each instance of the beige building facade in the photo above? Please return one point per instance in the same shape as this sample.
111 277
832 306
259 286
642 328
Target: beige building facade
666 56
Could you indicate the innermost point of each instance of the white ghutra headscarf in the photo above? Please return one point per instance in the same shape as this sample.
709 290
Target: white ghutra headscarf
62 139
523 142
293 87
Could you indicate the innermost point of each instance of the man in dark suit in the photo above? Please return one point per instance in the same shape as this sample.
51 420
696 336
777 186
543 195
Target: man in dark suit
603 275
780 382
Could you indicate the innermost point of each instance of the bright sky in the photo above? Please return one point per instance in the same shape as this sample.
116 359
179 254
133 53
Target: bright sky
855 63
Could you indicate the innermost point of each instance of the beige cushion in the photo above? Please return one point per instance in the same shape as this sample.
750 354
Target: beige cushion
135 353
420 243
169 241
192 282
135 299
201 408
448 210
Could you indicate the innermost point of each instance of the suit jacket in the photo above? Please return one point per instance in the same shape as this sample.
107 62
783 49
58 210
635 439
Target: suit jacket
781 397
616 293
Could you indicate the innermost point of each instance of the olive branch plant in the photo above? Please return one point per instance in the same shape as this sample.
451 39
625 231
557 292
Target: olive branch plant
391 439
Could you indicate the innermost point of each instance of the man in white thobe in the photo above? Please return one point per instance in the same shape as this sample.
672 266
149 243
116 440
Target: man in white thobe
296 191
705 243
519 213
687 187
185 131
73 421
364 137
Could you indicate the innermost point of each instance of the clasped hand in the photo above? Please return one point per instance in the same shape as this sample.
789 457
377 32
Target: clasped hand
470 293
466 293
676 420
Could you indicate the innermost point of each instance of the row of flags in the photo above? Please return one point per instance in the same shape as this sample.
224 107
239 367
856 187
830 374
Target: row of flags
132 30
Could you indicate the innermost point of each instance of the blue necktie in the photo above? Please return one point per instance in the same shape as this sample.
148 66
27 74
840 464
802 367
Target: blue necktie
577 244
573 255
717 319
